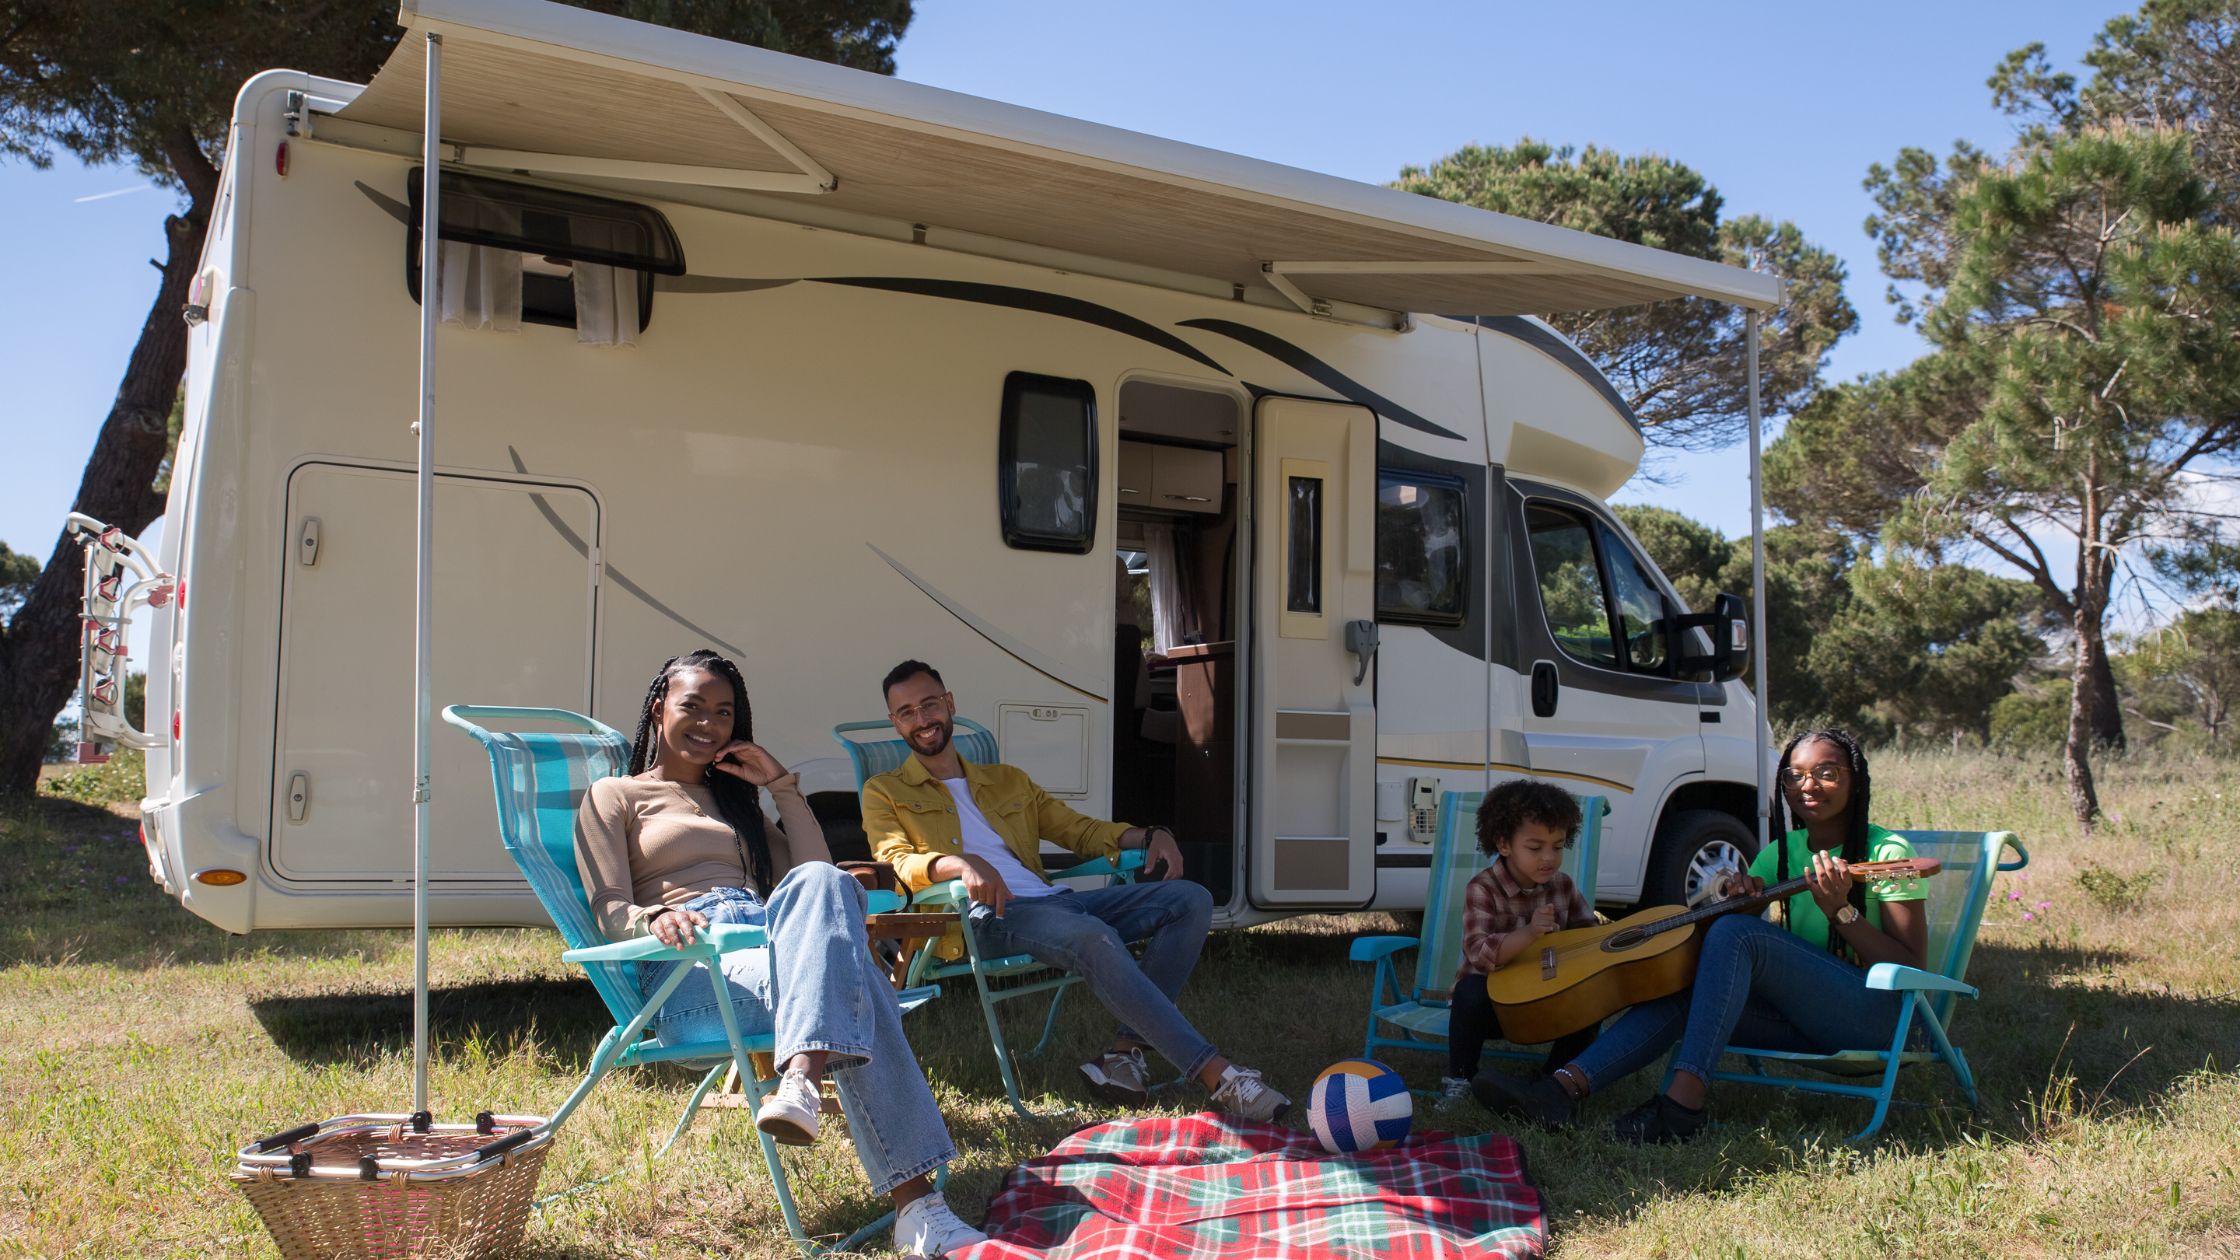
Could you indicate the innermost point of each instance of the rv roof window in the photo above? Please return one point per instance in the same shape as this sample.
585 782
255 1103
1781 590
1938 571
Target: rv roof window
1423 558
1046 471
555 231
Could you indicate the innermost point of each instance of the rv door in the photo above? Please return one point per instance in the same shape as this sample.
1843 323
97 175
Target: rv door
1314 731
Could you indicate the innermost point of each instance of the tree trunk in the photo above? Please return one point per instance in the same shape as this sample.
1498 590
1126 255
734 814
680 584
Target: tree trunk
2107 708
2076 757
39 649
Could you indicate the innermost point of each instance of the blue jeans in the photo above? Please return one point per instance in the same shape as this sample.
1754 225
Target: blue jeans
1088 933
1757 985
817 987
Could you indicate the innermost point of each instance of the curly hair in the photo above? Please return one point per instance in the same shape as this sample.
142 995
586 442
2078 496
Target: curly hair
737 801
1519 801
1855 816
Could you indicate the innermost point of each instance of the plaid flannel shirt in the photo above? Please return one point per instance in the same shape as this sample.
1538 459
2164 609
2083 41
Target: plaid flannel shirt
1497 905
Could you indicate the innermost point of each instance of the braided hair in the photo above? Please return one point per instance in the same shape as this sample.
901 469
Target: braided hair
738 802
1854 821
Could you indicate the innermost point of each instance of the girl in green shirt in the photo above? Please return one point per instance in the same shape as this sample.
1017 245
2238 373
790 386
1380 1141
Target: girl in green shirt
1797 984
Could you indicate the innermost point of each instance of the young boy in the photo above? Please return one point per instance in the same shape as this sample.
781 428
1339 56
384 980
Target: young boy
1522 896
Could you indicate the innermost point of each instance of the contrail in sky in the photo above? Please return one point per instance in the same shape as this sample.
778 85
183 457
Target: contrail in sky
114 192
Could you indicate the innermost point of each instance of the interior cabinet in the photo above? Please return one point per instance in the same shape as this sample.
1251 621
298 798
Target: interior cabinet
1171 478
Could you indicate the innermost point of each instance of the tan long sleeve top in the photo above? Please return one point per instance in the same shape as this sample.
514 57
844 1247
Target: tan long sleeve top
645 844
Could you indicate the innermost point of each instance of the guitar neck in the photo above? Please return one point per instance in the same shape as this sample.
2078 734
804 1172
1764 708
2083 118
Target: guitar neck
1713 909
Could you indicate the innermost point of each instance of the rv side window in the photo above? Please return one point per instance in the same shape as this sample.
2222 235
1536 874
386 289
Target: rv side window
1639 605
567 242
1422 556
1571 589
1047 470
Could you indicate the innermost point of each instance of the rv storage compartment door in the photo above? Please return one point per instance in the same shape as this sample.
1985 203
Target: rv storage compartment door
513 617
1314 732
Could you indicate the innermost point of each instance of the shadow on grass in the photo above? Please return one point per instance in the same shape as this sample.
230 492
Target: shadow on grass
561 1018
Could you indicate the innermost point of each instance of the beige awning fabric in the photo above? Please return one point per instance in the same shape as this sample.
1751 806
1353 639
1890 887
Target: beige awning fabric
547 88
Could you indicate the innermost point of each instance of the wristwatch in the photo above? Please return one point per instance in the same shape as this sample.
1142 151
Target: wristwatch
1847 914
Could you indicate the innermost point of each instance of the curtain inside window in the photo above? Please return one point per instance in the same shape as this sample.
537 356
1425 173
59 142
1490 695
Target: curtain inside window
479 286
606 305
1172 623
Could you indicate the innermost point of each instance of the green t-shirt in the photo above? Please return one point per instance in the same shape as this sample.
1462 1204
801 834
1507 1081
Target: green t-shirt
1805 918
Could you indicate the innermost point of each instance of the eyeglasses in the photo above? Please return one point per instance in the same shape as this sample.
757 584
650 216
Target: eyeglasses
1824 776
928 709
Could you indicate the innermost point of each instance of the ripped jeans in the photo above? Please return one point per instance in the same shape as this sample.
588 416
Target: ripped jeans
817 987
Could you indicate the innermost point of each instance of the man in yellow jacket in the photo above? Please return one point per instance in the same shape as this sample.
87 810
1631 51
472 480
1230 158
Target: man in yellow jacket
938 817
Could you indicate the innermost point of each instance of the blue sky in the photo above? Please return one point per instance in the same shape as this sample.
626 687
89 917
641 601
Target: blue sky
1782 106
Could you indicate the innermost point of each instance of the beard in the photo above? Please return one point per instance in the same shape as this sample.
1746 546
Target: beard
931 741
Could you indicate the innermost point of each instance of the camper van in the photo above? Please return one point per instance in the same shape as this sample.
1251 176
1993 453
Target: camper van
1224 494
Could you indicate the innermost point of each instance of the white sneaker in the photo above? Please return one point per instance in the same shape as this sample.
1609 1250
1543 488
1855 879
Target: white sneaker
926 1227
1120 1076
1453 1089
1244 1095
789 1112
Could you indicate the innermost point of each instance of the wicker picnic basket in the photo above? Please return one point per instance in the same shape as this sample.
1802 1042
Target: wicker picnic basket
386 1187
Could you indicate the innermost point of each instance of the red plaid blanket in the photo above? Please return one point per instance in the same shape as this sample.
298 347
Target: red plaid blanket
1203 1186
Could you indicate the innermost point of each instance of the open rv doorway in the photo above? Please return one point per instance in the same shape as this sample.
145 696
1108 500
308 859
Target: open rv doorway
1178 598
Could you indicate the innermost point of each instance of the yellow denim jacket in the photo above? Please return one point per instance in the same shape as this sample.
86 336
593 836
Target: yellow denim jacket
909 820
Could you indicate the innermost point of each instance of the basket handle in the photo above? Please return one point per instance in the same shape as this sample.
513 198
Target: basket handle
502 1145
288 1138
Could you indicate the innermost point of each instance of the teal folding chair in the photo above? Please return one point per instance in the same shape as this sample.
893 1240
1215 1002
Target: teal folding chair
977 745
1955 905
1419 1010
540 778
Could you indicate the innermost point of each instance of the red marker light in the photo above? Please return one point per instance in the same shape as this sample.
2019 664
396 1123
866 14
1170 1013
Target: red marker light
174 726
280 160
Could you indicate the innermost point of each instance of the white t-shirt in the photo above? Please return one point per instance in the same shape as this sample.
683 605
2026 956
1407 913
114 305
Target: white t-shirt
981 841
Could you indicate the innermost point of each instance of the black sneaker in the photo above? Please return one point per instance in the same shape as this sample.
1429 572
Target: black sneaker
1658 1120
1537 1099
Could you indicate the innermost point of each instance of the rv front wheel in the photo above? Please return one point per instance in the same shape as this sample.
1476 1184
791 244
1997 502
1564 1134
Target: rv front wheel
1694 852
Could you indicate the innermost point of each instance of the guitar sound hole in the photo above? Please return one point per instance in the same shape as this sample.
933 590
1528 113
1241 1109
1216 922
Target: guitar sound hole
1624 940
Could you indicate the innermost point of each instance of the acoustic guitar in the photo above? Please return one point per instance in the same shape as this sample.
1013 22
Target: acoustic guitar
1574 979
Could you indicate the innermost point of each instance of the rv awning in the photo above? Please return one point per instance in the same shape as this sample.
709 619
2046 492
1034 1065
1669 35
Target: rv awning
560 91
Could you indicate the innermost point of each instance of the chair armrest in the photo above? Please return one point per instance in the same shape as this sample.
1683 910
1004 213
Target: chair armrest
2021 855
948 892
716 938
1372 948
880 901
1900 977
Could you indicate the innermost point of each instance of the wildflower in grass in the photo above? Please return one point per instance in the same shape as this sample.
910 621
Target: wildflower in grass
2028 917
2044 906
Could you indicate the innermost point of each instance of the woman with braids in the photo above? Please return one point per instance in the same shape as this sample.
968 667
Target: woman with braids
681 843
1796 981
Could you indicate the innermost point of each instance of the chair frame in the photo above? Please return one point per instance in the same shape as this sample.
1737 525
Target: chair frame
1929 996
928 968
611 965
1388 998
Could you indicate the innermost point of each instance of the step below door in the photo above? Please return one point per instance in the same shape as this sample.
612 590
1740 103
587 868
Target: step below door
514 610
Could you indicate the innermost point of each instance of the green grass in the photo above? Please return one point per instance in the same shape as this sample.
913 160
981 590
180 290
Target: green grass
139 1047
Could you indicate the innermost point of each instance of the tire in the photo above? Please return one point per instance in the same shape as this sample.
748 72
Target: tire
1693 846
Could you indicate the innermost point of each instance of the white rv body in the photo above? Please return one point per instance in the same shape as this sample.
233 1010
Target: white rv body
797 464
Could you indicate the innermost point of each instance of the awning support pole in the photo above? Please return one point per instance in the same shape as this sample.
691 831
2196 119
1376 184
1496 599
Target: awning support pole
431 308
1762 735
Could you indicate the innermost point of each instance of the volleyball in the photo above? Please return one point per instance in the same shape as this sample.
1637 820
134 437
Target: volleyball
1359 1105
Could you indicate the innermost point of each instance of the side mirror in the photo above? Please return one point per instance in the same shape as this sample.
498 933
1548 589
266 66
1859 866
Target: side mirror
1728 625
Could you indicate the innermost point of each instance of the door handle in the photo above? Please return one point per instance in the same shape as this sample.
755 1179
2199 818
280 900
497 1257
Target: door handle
1543 689
1361 640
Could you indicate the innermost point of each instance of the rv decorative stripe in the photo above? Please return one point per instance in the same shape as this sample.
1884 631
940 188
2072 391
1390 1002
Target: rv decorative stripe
610 573
1032 300
1563 352
1321 373
1011 647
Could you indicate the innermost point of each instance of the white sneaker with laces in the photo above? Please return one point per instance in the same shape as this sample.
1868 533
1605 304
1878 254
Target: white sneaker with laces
1120 1076
1245 1095
1453 1089
789 1112
926 1227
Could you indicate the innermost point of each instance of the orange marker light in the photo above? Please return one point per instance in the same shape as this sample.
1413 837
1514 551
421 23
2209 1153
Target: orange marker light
219 877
